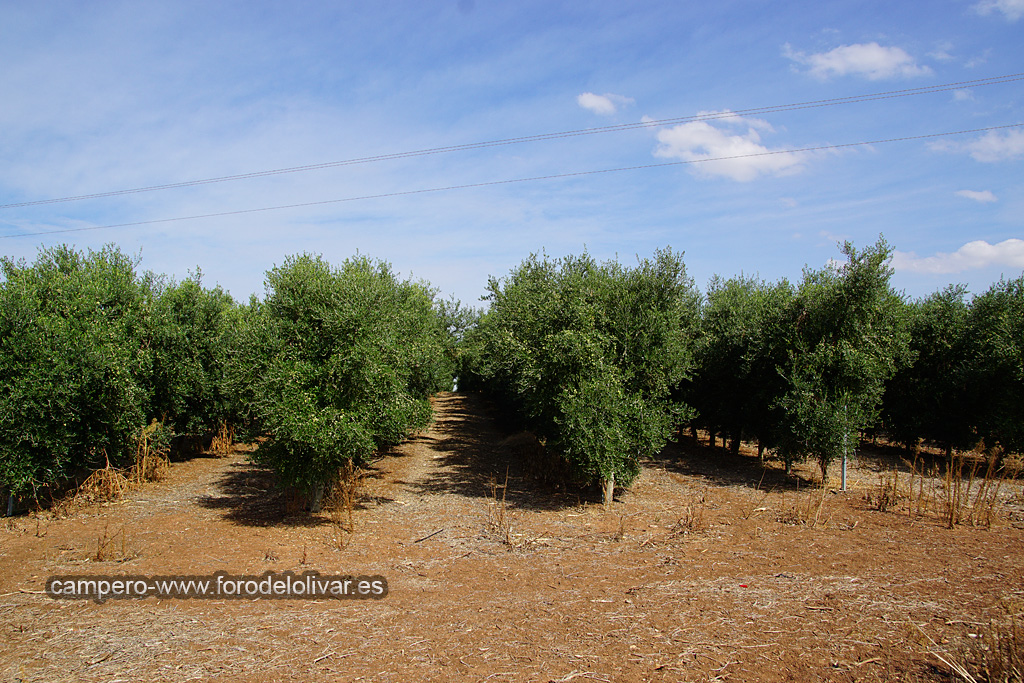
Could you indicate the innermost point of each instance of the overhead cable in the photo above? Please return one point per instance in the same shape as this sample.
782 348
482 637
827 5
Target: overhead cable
704 116
510 181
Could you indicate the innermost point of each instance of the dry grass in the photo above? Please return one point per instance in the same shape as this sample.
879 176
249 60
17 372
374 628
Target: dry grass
111 484
151 451
806 509
102 486
992 653
693 519
753 504
341 501
997 654
967 493
223 441
751 600
975 502
886 494
113 547
499 517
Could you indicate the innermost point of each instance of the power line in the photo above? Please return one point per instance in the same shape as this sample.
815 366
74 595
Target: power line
510 181
853 99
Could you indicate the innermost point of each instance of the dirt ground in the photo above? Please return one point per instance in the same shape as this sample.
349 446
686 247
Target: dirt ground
709 568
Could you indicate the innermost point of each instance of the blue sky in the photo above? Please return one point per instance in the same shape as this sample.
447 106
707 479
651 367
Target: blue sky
103 97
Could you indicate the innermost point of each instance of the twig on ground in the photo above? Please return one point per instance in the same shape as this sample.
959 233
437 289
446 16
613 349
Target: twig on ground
430 535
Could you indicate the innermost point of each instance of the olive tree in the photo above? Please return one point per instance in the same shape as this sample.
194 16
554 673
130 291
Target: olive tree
587 355
932 397
72 353
736 381
996 327
846 337
336 363
187 338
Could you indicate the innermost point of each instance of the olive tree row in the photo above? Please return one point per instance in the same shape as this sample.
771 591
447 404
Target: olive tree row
804 369
334 364
587 356
91 351
966 383
801 369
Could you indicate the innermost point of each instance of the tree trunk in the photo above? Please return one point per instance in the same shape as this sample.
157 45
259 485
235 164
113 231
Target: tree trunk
609 490
734 446
824 473
316 497
760 451
693 433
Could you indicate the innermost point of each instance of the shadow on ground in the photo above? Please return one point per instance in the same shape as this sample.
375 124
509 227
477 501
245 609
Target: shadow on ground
720 467
475 461
251 495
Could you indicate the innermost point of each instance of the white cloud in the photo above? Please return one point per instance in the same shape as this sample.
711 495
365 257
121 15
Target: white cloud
971 256
943 52
604 105
832 237
963 96
985 196
1012 9
737 155
995 146
991 147
869 60
977 61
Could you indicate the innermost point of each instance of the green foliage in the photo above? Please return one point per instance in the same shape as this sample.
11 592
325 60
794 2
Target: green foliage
335 364
801 370
966 384
461 322
932 397
601 361
741 345
249 344
587 355
847 337
90 352
71 353
997 332
187 329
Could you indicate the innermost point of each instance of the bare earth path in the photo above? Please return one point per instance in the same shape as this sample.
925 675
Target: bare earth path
692 575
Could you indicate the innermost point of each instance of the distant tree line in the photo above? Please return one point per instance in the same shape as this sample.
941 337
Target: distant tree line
800 369
804 370
604 363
